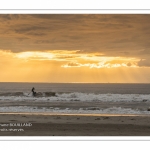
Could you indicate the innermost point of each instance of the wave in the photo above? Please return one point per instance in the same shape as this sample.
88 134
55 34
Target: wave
76 96
38 94
111 110
103 97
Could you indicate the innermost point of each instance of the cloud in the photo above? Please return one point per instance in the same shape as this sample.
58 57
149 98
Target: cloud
71 64
29 29
112 35
144 63
5 17
97 65
68 59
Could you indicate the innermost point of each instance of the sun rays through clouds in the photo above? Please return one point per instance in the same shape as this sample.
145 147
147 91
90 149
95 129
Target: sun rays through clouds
75 48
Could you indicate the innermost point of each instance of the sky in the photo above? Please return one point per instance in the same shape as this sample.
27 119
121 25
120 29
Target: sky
86 48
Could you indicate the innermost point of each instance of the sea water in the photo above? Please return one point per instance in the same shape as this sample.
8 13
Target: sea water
100 98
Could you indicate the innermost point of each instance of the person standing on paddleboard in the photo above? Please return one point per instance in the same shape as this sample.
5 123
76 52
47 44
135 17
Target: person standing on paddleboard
34 93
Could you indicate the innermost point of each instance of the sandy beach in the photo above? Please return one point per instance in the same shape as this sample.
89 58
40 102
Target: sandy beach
48 124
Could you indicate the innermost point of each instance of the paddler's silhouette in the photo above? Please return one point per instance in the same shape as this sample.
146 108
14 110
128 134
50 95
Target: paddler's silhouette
34 93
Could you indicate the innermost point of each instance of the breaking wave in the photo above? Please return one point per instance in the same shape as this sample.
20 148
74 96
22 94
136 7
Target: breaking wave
38 94
112 110
76 96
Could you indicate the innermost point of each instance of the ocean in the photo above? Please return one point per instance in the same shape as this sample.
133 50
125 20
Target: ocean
97 88
95 98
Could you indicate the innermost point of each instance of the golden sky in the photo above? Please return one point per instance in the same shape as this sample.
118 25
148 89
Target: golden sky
75 48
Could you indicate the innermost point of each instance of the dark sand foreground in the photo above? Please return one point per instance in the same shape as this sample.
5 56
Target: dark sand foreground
26 124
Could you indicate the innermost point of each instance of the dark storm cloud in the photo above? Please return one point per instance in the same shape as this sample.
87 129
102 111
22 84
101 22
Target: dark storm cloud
112 35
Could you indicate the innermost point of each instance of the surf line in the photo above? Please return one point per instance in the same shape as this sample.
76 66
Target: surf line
67 114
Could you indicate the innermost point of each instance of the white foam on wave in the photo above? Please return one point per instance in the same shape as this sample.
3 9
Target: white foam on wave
112 110
82 97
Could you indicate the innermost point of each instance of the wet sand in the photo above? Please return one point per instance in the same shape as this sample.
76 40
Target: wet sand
48 124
